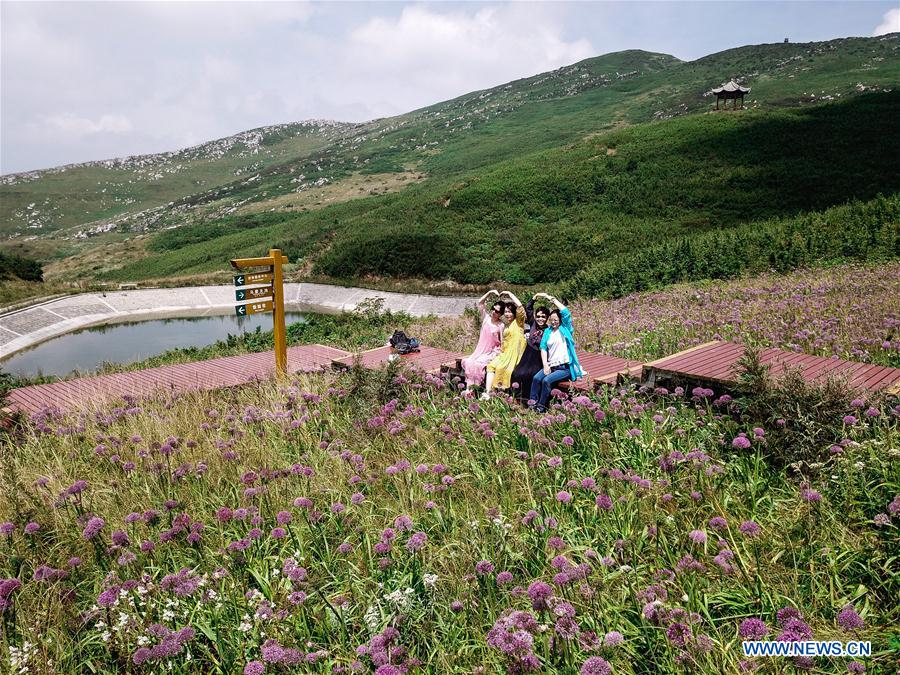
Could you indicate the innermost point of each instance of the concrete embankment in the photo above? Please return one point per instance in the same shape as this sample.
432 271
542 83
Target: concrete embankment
27 327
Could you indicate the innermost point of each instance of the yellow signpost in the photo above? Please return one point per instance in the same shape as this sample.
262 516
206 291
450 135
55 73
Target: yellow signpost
268 298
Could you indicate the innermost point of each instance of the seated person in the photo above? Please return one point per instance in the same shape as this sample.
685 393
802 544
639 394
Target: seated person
558 357
499 370
488 341
530 363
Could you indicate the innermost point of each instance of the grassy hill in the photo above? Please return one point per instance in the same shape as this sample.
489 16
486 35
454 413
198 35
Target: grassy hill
607 152
600 198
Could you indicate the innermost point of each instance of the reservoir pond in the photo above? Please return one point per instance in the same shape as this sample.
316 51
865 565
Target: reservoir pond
87 349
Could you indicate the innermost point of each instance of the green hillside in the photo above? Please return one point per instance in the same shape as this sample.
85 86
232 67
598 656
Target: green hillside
607 152
669 179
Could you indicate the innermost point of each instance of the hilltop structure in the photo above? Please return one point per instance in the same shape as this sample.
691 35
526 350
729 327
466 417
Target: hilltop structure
731 91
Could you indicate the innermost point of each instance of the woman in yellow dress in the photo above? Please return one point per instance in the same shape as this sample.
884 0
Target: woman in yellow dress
500 369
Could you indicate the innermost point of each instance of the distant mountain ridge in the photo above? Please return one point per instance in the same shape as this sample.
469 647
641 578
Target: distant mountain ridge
252 140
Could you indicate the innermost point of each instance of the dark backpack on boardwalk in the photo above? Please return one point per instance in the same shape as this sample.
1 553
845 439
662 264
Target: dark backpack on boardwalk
402 344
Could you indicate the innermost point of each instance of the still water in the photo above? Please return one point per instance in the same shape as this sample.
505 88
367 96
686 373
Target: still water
85 350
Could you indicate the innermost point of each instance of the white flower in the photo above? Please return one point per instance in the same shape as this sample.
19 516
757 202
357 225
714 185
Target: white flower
430 580
372 618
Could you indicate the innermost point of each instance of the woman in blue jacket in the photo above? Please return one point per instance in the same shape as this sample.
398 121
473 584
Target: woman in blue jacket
560 362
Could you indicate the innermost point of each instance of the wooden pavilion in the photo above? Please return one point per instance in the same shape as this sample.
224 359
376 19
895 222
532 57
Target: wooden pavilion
731 91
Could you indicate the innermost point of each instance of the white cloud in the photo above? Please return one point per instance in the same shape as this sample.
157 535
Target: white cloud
431 54
890 23
73 126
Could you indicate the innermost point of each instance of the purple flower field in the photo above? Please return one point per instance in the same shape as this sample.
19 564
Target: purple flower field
847 311
305 527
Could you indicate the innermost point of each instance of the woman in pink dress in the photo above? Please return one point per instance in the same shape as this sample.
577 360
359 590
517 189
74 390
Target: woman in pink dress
488 341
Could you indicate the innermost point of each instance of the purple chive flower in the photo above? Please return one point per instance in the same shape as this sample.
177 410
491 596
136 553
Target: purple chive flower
785 614
563 497
595 666
255 668
278 533
504 578
416 541
484 567
93 527
613 639
568 440
749 528
678 634
849 620
697 536
753 629
810 495
31 528
849 420
604 502
539 593
718 523
741 442
283 517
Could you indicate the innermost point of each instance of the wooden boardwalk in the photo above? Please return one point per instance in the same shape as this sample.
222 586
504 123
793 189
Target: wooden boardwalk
229 371
713 363
602 369
716 363
429 359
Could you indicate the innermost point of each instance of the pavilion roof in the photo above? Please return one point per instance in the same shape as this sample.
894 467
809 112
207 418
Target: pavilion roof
731 87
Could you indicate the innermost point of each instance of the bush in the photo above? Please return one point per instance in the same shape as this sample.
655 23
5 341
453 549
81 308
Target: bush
858 231
803 419
13 266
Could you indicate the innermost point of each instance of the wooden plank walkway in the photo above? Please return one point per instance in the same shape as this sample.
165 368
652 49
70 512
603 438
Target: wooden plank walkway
429 359
602 369
716 362
712 362
229 371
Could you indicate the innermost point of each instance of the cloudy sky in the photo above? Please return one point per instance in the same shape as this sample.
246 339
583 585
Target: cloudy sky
92 80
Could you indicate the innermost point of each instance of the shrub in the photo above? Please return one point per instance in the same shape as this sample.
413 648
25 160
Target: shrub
14 266
803 418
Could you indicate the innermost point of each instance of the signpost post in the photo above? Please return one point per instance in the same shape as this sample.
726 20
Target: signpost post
264 298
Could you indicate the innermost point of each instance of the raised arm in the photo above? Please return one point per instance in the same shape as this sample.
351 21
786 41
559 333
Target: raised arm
512 297
482 299
529 311
549 297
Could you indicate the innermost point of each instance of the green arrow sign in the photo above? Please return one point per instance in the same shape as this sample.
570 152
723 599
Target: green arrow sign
241 310
239 280
240 295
